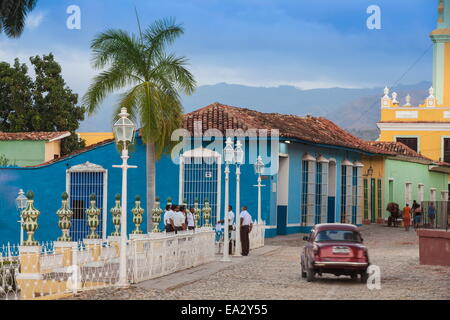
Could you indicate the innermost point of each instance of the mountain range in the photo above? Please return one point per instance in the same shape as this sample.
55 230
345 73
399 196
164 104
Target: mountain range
356 110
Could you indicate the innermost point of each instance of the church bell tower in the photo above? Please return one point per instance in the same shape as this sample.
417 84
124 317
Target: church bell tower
441 57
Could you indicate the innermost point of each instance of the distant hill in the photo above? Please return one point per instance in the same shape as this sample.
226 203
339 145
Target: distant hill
357 110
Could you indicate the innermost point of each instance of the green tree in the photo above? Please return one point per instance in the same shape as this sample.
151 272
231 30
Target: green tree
13 14
151 78
16 99
45 104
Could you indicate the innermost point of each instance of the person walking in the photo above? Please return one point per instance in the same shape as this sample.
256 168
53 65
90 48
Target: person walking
417 216
190 219
431 214
168 219
406 217
246 228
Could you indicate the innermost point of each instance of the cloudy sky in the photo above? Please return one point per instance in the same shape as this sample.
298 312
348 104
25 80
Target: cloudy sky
308 44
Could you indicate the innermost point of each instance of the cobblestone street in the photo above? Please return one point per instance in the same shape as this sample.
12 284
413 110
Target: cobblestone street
275 274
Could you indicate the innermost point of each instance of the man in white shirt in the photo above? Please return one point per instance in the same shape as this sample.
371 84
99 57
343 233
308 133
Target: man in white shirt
230 215
168 219
178 219
246 227
190 219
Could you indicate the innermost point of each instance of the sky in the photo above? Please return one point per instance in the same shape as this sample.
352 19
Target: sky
303 43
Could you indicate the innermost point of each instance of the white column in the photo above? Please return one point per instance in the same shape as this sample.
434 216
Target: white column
123 281
238 248
259 200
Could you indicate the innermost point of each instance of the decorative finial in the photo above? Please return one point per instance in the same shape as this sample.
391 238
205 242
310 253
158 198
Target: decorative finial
394 98
30 195
441 12
408 101
431 91
64 196
386 92
117 197
93 197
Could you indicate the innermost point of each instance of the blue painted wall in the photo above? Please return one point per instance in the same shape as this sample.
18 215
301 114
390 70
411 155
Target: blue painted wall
48 182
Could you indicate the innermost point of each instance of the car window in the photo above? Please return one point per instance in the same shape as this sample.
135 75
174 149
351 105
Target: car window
338 235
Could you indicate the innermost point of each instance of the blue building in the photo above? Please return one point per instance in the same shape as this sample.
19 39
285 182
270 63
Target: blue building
313 174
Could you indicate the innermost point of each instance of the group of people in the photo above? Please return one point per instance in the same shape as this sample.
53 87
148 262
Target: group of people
415 212
246 225
178 218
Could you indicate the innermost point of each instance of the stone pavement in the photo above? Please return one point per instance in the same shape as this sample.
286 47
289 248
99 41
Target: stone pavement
273 272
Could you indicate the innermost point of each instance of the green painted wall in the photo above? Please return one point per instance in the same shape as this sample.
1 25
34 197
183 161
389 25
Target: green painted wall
416 173
24 153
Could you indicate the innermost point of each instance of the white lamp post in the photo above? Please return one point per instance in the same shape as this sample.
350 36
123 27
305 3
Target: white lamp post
239 155
229 157
259 167
21 203
124 130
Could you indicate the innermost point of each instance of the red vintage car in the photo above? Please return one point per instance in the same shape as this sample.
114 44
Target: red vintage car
334 248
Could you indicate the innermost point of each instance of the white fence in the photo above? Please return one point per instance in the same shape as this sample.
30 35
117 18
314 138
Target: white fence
257 235
58 269
158 256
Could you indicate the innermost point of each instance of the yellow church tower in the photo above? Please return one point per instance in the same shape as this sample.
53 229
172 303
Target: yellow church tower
426 127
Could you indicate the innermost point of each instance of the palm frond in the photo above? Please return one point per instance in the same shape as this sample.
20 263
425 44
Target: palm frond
161 33
104 83
13 14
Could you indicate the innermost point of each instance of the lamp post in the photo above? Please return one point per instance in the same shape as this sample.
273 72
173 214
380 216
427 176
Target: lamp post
369 192
239 155
21 203
124 130
259 167
229 157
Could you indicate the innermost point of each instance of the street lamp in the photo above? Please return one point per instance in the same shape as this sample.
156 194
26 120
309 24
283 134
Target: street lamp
239 155
229 157
259 168
124 130
21 203
369 192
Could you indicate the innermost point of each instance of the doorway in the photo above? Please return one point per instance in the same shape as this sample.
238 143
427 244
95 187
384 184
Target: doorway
282 195
331 191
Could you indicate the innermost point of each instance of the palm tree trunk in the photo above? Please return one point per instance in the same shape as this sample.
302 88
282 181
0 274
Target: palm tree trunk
151 186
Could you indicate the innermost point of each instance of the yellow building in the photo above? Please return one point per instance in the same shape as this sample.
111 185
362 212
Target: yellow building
91 138
424 128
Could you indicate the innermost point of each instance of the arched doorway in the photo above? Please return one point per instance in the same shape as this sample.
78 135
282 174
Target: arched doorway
331 190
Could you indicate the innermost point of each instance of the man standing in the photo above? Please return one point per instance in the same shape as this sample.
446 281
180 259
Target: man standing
190 219
178 219
168 219
230 215
246 228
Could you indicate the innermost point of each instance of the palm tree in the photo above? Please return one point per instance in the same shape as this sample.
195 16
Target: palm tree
151 78
13 14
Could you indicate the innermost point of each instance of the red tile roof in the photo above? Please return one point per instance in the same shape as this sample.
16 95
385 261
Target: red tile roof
398 148
33 136
308 128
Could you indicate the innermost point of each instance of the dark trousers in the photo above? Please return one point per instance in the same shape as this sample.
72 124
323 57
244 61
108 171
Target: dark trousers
169 228
245 241
178 229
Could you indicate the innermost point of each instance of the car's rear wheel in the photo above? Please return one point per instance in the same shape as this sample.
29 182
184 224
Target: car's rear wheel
310 275
364 277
